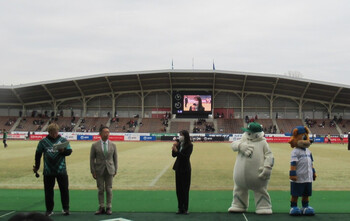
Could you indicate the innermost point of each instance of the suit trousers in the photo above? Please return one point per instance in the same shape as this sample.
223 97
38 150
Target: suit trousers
104 183
49 184
183 182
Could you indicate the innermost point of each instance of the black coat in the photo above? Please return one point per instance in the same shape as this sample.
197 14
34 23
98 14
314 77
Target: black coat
182 163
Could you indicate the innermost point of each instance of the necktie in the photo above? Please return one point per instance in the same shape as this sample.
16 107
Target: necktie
105 148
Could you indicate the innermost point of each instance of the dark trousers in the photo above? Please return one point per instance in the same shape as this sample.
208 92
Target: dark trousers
49 183
183 182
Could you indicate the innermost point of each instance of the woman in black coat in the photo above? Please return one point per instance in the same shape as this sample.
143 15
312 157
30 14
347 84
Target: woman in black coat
182 150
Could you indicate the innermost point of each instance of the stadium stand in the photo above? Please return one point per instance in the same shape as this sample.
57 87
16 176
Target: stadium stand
203 126
7 122
323 127
151 125
230 125
345 126
122 125
149 93
267 124
66 124
92 124
31 124
287 125
177 126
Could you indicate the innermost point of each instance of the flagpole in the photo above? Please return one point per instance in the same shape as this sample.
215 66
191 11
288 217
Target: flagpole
192 63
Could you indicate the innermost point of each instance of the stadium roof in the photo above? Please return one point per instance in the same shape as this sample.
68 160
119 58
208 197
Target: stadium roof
170 80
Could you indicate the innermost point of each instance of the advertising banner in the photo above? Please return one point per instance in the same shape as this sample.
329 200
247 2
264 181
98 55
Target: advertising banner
148 138
69 136
208 138
17 136
116 138
168 138
111 137
14 136
84 137
96 137
277 139
336 140
319 139
131 137
37 136
164 134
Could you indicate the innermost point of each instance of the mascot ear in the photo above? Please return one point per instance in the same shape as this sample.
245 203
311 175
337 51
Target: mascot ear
307 130
295 132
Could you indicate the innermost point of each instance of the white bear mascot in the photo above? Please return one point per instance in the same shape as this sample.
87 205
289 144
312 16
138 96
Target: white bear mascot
252 170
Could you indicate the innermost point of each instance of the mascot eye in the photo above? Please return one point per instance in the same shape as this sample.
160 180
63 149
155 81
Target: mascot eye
304 137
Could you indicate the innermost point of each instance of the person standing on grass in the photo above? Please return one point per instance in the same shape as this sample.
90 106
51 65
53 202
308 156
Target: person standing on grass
4 138
182 150
54 168
104 166
329 138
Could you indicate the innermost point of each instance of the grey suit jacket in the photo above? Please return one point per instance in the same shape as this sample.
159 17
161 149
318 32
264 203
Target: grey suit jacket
99 162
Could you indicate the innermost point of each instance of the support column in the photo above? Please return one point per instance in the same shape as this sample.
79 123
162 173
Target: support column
84 107
113 106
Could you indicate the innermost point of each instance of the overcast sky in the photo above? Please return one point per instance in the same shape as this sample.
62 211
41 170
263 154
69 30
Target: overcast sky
44 40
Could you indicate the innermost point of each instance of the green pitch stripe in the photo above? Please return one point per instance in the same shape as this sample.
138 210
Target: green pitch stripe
165 201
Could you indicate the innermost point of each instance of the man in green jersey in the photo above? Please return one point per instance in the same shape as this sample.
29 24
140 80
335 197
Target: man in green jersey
4 138
55 151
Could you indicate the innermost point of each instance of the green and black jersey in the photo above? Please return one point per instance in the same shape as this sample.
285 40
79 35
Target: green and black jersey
54 161
4 137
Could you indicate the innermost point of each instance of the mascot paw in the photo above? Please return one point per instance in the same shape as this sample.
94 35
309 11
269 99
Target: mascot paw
233 209
308 211
265 173
248 152
263 211
295 211
246 149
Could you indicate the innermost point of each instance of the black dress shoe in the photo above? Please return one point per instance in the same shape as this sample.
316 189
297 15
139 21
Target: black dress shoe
66 212
109 211
180 212
101 210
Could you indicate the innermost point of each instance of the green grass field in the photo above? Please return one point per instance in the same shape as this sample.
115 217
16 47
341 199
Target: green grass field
144 188
148 166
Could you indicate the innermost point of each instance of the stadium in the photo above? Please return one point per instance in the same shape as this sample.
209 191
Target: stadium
143 107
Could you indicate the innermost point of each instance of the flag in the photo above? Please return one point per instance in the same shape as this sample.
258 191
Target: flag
213 66
172 64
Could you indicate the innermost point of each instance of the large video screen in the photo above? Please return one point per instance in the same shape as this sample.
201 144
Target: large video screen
191 102
201 103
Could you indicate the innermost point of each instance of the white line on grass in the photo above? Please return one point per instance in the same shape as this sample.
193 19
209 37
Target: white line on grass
116 219
245 217
7 214
155 180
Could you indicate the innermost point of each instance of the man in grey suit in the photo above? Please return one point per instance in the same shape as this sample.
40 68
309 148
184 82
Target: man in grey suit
103 166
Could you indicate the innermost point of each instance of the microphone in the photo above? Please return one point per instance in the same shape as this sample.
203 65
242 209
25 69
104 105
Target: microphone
36 173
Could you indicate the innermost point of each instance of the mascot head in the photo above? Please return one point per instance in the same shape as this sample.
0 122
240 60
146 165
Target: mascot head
253 131
300 137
